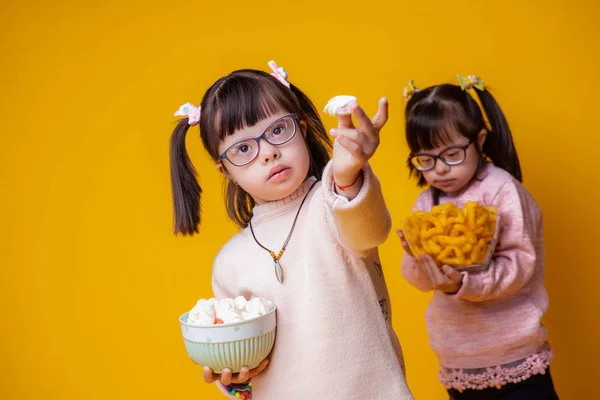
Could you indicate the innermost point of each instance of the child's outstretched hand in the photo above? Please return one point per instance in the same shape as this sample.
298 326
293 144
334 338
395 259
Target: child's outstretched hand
353 147
446 279
227 378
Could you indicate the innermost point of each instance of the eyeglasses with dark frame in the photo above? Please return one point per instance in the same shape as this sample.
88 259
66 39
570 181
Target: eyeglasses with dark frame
278 132
453 155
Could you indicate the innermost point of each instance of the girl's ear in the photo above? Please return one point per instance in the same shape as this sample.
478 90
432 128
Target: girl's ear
303 127
481 136
221 168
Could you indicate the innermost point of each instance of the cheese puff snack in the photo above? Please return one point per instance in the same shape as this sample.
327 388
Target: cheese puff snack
453 236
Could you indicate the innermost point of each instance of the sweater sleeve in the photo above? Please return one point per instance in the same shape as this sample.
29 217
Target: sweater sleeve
410 268
362 223
515 258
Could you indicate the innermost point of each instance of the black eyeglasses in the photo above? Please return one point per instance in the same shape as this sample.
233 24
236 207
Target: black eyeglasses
280 131
453 155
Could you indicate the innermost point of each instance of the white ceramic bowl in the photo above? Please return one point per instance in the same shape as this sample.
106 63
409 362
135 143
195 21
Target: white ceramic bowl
232 345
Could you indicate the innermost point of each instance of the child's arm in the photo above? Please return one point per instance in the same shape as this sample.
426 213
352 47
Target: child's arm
515 258
360 224
358 213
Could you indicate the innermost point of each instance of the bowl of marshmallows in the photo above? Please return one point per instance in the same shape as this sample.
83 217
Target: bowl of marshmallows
229 333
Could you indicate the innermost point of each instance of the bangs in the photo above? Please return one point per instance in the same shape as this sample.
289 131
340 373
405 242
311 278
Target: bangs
433 124
241 100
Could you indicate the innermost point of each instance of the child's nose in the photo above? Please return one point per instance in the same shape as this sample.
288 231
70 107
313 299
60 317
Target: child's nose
441 167
268 151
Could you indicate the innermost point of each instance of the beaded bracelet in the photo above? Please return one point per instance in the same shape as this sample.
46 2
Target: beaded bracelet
243 395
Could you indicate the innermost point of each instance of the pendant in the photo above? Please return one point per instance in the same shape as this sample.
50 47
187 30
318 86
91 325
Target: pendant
278 271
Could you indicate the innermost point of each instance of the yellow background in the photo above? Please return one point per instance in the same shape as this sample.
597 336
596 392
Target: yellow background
92 280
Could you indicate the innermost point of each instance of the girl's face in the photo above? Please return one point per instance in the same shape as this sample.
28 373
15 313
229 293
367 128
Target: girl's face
450 168
277 170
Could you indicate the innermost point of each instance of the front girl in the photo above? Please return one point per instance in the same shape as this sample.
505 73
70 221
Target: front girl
310 231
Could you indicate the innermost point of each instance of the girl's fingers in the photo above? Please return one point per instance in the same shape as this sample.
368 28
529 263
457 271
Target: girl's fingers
208 375
357 135
350 145
426 267
381 117
452 274
371 125
243 376
365 123
405 245
226 376
261 367
345 121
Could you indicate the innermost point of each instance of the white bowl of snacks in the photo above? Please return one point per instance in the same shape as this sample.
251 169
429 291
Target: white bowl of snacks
229 333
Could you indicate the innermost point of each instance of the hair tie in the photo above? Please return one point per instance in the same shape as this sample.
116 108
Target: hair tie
191 112
279 73
473 82
410 89
470 82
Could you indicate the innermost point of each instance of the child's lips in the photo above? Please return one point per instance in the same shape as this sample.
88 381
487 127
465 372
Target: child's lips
278 173
445 182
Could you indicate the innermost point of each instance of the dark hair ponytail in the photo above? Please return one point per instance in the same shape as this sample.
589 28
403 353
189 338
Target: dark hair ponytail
186 190
499 145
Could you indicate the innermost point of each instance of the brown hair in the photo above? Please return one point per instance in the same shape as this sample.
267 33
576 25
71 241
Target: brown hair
236 101
432 114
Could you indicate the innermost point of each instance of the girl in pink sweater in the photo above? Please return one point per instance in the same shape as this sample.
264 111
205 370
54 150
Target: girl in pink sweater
484 326
310 228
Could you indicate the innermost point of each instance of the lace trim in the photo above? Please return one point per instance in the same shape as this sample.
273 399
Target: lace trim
498 376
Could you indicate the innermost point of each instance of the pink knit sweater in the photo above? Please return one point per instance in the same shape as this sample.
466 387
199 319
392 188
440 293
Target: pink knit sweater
334 333
489 333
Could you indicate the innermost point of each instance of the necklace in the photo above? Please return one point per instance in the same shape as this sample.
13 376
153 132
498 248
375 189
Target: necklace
277 257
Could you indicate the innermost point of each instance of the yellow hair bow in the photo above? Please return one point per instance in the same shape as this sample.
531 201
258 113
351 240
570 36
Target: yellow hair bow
409 90
470 82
